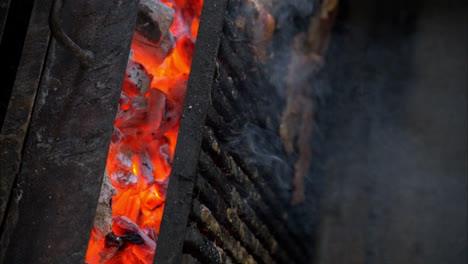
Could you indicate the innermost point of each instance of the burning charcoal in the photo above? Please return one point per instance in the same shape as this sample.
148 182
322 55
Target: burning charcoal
121 175
124 157
117 136
137 74
187 44
162 186
157 105
153 21
177 91
150 233
145 167
125 101
101 252
102 225
135 115
130 89
103 218
152 39
123 179
166 153
146 127
141 114
125 227
171 117
155 53
164 113
167 45
113 241
161 157
151 199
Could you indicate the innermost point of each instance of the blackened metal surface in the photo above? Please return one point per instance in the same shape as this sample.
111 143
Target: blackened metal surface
18 116
245 173
68 139
205 250
179 195
14 20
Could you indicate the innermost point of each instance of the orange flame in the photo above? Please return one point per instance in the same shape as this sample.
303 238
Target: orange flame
139 161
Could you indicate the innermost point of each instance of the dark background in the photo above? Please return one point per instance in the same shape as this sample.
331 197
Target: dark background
392 118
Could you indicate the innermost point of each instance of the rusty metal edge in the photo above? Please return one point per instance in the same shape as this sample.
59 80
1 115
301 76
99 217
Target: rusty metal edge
183 175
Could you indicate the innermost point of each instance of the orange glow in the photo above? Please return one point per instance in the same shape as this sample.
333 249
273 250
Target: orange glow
143 145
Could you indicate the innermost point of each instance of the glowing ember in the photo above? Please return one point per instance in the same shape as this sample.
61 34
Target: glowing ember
143 142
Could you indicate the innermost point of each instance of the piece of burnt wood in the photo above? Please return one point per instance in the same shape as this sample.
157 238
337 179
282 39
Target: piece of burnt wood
17 118
67 142
179 193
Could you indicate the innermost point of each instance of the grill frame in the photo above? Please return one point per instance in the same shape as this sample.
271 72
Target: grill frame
57 131
234 214
181 181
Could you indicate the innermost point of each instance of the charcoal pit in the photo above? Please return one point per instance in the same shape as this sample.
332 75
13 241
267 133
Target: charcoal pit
225 202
